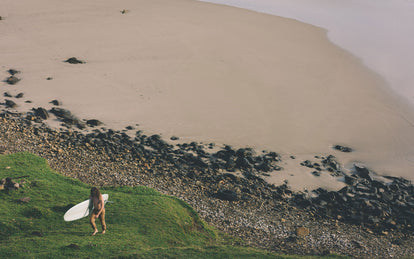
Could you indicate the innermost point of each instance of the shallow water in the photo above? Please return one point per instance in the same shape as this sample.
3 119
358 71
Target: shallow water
380 32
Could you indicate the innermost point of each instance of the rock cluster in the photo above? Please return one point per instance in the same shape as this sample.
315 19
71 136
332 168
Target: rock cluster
343 148
328 163
225 186
12 79
378 204
8 184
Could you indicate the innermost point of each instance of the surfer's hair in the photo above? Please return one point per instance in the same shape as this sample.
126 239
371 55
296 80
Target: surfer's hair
95 192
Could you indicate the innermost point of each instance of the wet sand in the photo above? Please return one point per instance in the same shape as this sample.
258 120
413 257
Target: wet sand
208 73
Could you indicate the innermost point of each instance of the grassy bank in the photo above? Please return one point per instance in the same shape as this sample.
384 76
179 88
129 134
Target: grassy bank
142 223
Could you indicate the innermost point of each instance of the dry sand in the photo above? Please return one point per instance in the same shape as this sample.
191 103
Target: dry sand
208 73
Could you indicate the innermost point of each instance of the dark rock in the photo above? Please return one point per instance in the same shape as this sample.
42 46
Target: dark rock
10 104
74 60
230 177
67 117
174 138
351 180
307 163
342 148
244 152
7 94
93 123
56 102
330 163
243 162
42 113
49 78
363 172
13 71
231 164
12 80
19 95
227 195
316 173
61 113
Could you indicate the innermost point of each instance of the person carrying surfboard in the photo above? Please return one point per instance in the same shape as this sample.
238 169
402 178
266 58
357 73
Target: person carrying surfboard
98 211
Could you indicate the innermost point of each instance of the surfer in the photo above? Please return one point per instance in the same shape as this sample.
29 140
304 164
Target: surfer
98 211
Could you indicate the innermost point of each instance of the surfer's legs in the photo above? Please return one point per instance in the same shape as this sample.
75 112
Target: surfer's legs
102 219
92 221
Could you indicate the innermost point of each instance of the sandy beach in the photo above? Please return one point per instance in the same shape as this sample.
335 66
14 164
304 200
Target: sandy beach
208 73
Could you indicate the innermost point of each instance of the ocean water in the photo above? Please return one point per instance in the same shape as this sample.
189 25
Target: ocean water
379 32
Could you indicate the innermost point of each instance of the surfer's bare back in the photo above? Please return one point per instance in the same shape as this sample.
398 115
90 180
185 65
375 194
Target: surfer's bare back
98 211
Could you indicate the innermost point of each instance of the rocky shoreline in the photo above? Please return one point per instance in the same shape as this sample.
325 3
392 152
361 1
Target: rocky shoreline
371 217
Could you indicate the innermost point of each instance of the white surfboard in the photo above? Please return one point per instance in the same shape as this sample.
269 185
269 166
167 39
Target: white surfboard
82 209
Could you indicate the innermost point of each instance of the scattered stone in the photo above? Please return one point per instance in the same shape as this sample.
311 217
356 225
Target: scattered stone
7 94
65 116
13 71
12 80
56 102
124 11
74 60
49 78
10 104
9 184
342 148
174 138
19 95
316 173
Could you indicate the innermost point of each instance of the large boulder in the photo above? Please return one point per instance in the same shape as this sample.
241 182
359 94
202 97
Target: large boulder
10 104
42 113
93 123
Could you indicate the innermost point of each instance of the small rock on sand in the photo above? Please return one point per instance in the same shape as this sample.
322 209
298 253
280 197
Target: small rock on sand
12 80
74 60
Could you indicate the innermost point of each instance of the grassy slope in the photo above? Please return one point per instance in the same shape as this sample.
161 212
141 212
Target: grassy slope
141 222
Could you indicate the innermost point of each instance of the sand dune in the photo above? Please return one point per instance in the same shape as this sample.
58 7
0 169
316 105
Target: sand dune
207 73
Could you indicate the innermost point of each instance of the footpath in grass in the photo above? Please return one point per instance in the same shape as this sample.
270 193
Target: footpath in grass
141 222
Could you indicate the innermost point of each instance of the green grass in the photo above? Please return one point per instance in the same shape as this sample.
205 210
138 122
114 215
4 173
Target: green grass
142 223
